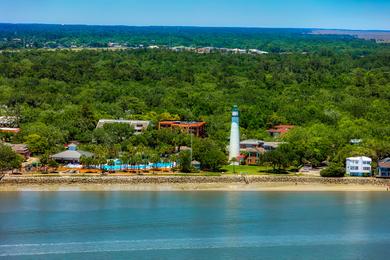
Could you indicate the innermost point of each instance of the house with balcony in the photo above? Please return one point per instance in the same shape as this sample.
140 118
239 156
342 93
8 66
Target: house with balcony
197 128
358 166
252 149
384 168
20 149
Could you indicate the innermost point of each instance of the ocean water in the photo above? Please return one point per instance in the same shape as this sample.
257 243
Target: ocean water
194 225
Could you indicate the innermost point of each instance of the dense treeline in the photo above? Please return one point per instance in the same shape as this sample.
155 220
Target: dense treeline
331 97
14 36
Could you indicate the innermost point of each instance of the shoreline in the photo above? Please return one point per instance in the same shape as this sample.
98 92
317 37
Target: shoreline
191 183
273 187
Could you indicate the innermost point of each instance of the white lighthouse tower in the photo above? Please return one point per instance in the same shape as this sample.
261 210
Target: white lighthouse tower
234 147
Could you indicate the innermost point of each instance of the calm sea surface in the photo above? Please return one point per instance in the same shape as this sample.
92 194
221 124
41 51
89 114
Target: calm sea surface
194 225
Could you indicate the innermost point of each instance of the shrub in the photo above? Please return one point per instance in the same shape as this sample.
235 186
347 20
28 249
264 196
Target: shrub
185 161
333 170
53 163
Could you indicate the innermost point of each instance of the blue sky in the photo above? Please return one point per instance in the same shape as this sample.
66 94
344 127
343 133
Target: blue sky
343 14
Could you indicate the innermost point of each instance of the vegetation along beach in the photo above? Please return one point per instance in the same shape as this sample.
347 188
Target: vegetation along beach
304 101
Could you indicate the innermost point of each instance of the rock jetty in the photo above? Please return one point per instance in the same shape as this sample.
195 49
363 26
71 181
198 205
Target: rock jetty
224 179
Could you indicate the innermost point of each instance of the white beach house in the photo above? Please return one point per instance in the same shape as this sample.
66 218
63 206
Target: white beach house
358 166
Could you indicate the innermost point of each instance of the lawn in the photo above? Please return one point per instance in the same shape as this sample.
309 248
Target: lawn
251 170
246 169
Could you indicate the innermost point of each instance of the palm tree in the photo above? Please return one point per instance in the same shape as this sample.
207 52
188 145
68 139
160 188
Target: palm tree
173 159
145 158
154 159
86 161
111 163
101 156
125 158
101 160
45 158
132 161
138 161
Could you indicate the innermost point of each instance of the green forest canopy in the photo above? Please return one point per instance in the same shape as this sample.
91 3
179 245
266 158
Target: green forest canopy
331 96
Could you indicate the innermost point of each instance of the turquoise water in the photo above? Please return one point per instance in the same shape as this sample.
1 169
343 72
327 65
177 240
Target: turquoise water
119 167
194 225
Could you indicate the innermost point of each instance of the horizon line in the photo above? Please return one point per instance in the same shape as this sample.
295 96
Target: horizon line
193 26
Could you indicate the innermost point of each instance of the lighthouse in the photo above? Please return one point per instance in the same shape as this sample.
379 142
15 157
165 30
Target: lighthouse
234 147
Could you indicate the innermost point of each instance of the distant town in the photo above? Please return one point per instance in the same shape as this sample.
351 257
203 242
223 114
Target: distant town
119 46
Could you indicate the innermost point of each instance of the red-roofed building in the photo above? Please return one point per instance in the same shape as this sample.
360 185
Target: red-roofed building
279 130
9 130
195 127
252 149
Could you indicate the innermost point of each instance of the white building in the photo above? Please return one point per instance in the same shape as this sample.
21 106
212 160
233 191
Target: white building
138 125
8 121
239 51
358 166
255 51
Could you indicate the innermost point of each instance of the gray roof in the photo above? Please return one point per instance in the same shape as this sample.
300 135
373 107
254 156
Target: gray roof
252 150
273 144
69 155
102 122
251 142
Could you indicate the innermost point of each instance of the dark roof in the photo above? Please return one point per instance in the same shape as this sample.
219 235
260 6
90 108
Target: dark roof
385 163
